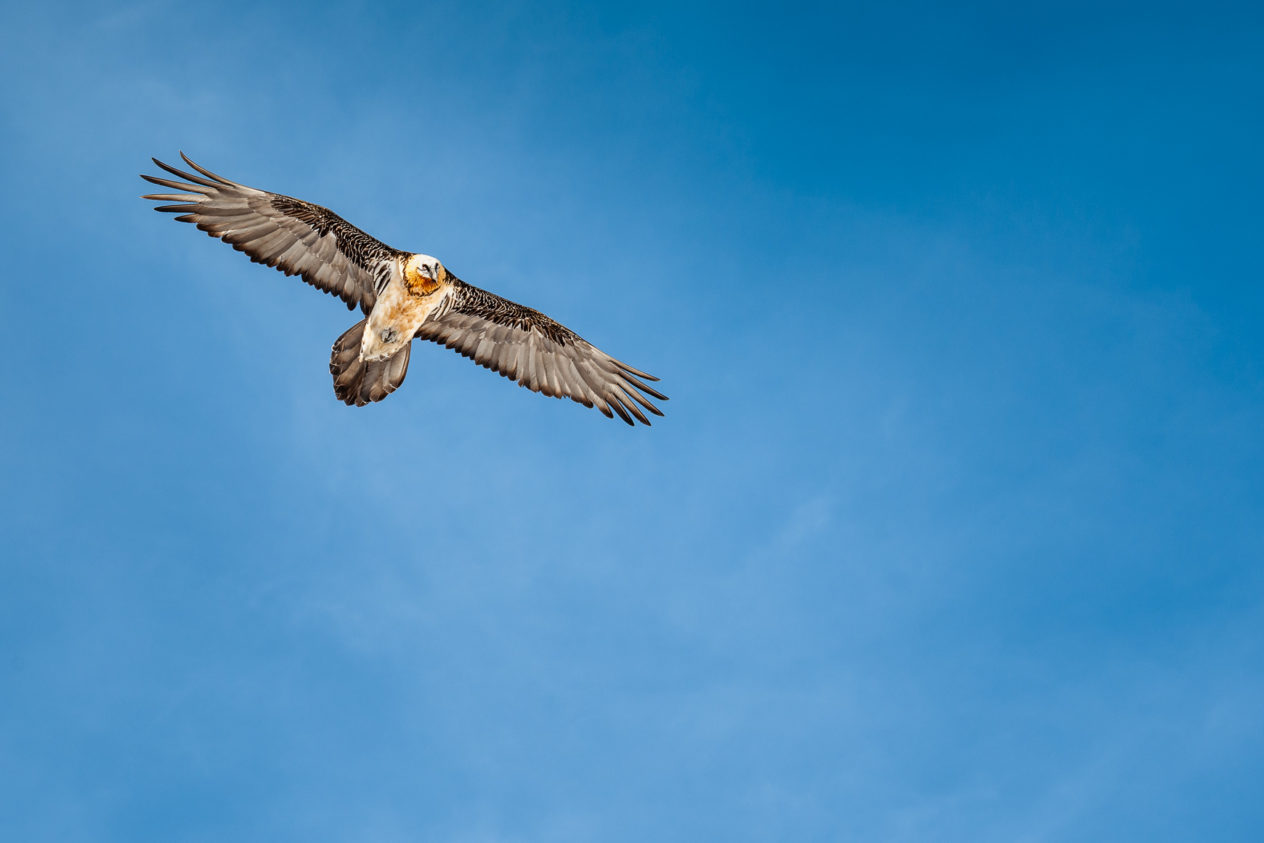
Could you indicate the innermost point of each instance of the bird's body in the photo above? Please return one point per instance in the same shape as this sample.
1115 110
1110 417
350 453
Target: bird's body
417 287
405 296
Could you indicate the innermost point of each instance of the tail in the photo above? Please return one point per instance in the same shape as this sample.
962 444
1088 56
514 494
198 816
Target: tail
359 381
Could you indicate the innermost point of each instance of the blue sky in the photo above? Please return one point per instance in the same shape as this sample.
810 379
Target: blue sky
952 531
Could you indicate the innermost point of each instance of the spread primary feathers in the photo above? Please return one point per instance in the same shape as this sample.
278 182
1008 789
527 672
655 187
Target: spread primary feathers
403 295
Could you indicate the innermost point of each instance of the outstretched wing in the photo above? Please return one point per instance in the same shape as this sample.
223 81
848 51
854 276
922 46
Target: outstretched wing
525 345
294 236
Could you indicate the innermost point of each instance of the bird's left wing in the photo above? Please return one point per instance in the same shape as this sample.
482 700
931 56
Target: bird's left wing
294 236
525 345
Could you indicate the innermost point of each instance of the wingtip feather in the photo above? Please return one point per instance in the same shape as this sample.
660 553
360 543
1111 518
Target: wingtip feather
205 171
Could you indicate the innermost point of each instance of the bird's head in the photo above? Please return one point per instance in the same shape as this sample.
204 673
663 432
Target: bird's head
424 273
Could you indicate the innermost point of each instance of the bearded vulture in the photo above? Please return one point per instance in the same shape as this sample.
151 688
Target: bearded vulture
403 296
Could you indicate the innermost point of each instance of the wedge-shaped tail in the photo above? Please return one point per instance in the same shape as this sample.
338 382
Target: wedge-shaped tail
358 381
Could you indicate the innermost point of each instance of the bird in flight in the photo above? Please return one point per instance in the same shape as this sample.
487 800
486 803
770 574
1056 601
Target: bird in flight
404 296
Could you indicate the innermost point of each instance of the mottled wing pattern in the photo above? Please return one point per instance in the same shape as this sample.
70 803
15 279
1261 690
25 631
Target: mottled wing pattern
525 345
294 236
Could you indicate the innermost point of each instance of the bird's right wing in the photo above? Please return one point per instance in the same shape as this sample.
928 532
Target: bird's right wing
294 236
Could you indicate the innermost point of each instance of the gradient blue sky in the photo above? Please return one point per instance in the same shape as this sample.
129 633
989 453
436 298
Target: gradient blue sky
952 531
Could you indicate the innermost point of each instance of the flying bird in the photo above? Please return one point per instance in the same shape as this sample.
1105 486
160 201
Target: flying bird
403 295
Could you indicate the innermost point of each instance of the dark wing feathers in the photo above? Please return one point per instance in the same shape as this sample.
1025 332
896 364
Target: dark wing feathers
526 346
294 236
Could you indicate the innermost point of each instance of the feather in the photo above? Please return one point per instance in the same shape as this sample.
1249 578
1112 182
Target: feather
526 346
278 230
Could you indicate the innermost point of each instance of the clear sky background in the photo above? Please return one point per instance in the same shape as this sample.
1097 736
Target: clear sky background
952 530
